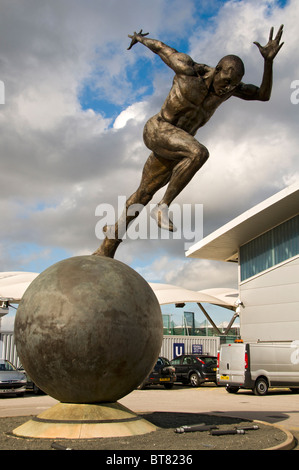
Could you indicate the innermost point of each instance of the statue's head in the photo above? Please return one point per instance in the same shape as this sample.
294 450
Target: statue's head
228 74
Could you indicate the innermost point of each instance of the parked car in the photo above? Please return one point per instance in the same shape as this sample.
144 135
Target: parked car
163 374
258 366
195 369
30 385
12 381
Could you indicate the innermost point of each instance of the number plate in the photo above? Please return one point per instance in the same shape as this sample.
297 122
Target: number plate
7 390
224 377
165 380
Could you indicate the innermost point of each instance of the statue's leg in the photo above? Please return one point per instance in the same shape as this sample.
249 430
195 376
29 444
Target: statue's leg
187 156
108 247
184 171
176 157
156 174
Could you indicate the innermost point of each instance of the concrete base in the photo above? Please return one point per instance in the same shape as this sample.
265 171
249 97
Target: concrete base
85 421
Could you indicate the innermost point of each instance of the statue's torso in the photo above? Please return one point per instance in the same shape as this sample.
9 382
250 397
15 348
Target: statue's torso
190 103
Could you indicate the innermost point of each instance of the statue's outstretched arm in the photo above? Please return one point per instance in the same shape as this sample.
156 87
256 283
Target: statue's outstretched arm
179 62
269 52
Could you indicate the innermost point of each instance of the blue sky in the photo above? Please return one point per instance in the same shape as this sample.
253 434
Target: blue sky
203 17
68 76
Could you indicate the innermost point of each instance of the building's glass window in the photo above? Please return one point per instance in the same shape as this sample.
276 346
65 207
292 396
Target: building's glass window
269 249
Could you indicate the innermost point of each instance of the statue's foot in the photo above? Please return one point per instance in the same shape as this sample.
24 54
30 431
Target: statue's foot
160 214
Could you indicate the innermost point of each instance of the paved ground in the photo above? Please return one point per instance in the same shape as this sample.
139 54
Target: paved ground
170 409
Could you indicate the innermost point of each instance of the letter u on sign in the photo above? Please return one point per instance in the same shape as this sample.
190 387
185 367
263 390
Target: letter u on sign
178 349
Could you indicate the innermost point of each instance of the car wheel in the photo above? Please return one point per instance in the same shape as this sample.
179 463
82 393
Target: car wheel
260 387
168 386
231 389
194 380
36 390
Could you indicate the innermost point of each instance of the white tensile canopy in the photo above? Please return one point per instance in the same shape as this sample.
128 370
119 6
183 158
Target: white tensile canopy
170 294
227 298
14 284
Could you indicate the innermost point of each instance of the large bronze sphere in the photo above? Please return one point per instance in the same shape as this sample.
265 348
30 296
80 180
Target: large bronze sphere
88 329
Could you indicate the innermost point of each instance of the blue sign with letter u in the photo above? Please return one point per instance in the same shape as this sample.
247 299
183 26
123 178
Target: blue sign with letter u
178 349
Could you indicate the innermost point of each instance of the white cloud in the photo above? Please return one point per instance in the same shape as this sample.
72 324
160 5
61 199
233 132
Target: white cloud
41 113
137 112
191 274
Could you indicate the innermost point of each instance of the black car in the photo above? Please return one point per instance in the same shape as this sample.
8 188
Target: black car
195 369
163 374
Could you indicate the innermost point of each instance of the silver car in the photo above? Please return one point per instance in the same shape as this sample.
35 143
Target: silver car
11 380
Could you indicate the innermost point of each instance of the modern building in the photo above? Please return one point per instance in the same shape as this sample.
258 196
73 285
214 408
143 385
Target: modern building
264 241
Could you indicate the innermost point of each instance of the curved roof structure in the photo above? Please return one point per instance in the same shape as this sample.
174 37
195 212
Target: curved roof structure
14 284
170 294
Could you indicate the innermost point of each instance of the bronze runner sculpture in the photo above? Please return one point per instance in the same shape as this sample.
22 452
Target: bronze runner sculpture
196 93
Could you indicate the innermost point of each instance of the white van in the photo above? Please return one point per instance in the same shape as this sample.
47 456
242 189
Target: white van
258 366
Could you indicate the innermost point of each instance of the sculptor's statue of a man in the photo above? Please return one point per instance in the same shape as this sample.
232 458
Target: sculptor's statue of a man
196 93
